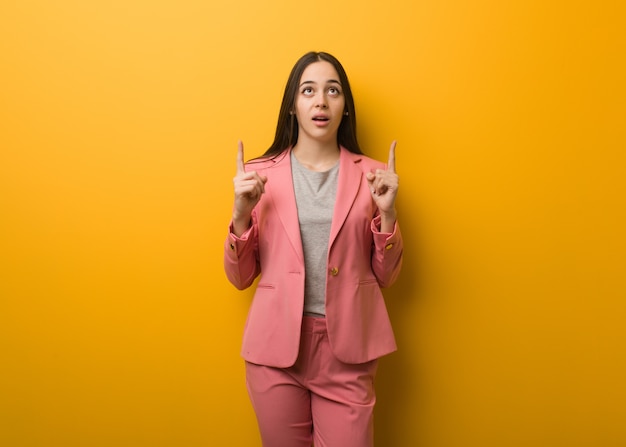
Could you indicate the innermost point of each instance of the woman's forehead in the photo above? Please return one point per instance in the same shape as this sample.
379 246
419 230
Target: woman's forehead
319 72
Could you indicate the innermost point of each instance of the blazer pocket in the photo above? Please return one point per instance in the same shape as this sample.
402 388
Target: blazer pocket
367 282
369 290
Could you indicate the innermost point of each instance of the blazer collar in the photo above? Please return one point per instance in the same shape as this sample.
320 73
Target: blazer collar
280 187
350 178
280 184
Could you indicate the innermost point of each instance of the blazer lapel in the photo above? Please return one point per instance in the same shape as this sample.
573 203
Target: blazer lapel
279 187
350 178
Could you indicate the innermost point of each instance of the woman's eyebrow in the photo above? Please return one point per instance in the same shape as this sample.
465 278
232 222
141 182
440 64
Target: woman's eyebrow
330 81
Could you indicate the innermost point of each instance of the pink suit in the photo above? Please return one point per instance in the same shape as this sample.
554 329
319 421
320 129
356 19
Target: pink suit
361 260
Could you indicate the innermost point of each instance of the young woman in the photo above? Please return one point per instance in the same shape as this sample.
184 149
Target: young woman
317 220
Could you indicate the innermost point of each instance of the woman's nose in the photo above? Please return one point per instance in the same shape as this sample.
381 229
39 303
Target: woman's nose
321 101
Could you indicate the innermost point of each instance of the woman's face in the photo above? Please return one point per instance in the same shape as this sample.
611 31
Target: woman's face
320 103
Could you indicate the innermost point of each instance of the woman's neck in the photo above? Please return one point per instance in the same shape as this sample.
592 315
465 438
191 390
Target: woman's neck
315 156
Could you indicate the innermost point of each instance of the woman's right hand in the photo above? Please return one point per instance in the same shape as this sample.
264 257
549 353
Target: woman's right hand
249 186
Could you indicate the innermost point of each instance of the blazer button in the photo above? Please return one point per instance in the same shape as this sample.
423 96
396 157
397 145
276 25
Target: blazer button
334 271
388 246
232 247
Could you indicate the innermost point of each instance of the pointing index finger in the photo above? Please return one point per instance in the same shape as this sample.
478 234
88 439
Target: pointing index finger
240 165
391 165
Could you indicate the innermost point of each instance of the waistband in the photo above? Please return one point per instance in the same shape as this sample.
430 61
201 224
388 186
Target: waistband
313 325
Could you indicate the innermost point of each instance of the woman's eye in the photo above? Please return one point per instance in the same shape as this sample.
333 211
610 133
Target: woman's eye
307 90
333 91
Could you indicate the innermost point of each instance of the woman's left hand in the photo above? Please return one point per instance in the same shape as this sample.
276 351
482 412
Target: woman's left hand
383 184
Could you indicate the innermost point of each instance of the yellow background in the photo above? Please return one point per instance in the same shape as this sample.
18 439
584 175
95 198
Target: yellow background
119 123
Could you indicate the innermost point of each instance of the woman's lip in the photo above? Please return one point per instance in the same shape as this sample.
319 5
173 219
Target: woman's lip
321 123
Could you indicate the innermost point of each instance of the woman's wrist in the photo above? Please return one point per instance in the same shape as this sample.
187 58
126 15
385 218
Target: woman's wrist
388 221
240 224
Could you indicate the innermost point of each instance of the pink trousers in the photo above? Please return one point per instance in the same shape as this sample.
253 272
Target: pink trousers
318 400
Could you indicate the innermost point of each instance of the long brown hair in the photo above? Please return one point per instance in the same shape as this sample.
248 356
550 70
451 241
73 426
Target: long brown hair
287 126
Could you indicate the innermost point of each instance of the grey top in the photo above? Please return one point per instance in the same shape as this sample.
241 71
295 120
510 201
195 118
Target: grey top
315 199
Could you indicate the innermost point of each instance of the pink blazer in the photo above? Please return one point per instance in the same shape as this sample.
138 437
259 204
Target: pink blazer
361 260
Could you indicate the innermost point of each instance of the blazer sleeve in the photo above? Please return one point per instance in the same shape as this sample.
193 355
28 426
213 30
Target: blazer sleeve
386 253
241 257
